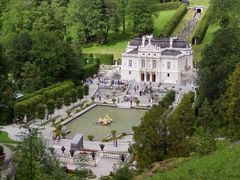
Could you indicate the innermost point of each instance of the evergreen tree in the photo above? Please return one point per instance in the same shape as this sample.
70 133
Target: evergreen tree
141 13
232 103
50 107
219 61
34 161
184 113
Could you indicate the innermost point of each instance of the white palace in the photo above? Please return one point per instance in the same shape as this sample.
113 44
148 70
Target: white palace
161 60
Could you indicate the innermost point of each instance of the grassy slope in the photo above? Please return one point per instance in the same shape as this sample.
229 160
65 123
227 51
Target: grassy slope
4 138
117 45
161 19
223 164
183 23
209 34
204 3
207 39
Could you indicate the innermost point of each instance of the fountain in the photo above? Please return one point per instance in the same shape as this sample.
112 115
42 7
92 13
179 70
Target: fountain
106 120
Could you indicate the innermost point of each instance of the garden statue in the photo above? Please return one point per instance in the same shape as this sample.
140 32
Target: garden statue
101 146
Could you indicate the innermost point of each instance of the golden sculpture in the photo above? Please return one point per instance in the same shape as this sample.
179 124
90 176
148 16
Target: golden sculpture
106 120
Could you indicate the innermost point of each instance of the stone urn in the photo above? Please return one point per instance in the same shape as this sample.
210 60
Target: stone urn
2 154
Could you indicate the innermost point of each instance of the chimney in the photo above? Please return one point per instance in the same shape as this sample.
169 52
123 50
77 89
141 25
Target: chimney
171 42
143 40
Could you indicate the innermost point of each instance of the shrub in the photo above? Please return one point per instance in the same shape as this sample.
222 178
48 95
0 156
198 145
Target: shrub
113 132
123 173
106 59
93 98
202 142
137 101
170 26
90 137
113 100
201 28
167 6
90 70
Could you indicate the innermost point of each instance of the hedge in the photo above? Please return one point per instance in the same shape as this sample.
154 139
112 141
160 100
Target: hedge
27 107
90 70
40 91
201 28
178 15
58 91
104 58
167 6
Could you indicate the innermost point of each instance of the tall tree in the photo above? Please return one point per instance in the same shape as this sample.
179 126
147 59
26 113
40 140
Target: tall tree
6 93
122 9
151 138
30 77
184 113
141 13
33 160
53 56
219 61
232 103
226 11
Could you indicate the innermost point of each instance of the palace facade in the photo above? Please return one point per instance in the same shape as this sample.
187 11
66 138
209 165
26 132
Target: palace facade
161 60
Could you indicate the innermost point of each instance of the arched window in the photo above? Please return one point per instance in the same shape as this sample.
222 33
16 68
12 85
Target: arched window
142 77
148 77
153 77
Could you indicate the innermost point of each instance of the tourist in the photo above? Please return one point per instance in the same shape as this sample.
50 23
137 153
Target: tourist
140 93
93 155
122 157
72 152
63 149
116 143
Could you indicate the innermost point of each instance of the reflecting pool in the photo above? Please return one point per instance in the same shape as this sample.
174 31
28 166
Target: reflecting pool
123 120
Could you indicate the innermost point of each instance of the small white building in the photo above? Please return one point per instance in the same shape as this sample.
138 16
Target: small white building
161 60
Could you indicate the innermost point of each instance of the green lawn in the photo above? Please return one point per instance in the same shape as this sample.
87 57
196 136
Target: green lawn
204 3
118 44
221 165
161 19
184 22
4 138
207 39
115 46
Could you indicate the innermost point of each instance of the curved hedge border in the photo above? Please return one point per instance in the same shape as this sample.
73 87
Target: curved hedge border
201 29
167 6
170 26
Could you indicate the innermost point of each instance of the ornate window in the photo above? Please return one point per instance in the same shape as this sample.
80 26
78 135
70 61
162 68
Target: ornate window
168 65
154 64
130 63
143 63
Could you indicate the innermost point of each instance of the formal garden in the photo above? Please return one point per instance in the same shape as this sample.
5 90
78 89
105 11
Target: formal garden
54 62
